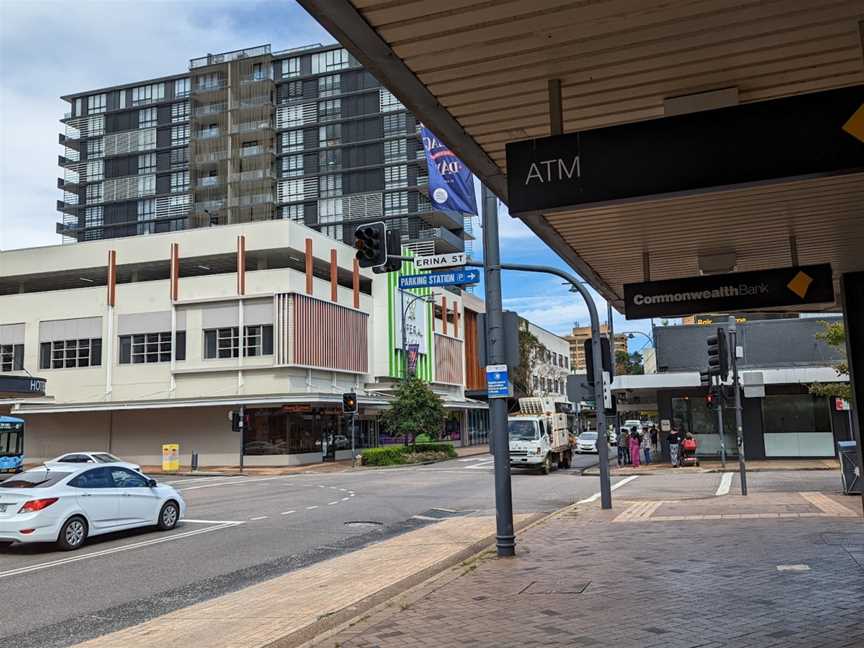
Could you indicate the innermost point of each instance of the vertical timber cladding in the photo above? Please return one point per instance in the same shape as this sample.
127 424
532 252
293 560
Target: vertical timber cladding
756 142
328 336
425 360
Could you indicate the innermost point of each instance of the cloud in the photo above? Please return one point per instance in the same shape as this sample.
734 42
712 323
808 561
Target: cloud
48 49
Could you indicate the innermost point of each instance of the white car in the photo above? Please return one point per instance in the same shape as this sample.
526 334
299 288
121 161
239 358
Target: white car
67 504
92 458
587 442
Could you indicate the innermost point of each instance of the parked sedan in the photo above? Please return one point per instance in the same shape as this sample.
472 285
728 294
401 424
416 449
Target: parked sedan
92 458
587 442
68 504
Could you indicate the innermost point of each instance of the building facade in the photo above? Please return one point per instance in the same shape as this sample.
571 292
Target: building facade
551 363
577 344
305 135
149 340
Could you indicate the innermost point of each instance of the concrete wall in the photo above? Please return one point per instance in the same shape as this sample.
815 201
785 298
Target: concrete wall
767 344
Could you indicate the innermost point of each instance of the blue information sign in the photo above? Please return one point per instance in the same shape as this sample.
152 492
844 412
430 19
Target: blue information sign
456 277
497 381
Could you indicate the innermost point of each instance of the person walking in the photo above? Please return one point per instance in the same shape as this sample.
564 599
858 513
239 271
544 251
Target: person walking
635 443
655 437
646 445
674 448
623 449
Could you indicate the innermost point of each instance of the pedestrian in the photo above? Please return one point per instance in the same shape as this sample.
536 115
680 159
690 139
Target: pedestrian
646 446
674 447
623 450
635 442
654 438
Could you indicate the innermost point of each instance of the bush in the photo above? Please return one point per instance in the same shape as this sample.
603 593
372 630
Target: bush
424 438
387 456
446 448
394 455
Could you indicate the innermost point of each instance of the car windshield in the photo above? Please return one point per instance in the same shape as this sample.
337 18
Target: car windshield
589 436
104 457
35 479
522 430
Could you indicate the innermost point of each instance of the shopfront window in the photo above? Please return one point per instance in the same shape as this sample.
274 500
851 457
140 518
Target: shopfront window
797 425
301 429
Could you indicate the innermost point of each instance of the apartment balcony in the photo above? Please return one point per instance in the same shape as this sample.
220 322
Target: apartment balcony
69 184
444 239
255 151
207 134
211 109
66 162
447 220
263 176
263 127
208 182
68 207
212 157
226 57
251 200
72 140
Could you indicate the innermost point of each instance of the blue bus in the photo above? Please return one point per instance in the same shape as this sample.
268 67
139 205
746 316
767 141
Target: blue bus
11 444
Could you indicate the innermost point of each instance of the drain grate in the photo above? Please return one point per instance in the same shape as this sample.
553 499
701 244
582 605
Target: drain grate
559 587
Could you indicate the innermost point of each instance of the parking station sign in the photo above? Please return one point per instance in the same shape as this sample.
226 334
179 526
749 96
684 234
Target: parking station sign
458 277
737 291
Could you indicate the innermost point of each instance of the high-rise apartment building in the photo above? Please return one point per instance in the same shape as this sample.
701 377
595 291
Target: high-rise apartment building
577 344
305 134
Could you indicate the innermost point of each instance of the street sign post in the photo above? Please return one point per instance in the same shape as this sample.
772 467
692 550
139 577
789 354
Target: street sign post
435 279
440 261
498 381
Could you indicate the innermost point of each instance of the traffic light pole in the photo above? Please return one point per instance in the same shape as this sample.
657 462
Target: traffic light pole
739 426
720 400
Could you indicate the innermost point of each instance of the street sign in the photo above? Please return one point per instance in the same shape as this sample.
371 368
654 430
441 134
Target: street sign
841 404
753 142
440 261
445 278
737 291
497 381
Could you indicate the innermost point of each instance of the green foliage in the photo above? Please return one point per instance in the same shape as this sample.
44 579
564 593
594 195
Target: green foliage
424 438
395 455
529 350
628 363
386 456
834 334
416 410
444 448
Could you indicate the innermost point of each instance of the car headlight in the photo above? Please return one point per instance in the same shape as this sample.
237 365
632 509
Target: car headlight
537 451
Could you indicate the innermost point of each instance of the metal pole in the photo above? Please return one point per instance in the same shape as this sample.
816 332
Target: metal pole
720 400
505 538
404 345
353 453
739 426
610 329
242 433
596 355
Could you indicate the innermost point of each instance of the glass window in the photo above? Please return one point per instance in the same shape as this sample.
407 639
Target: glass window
104 457
329 85
289 116
330 61
93 218
95 148
395 123
182 87
330 159
293 213
125 478
395 176
292 166
146 214
11 357
330 211
179 181
66 354
388 102
295 90
148 117
145 348
395 151
180 112
148 93
330 185
95 170
96 126
292 141
329 135
290 68
94 192
146 139
225 343
179 135
179 157
210 81
146 185
291 190
795 413
396 202
147 163
37 478
329 110
96 104
96 478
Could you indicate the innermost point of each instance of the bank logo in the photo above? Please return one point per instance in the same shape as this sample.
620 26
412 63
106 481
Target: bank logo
855 125
800 284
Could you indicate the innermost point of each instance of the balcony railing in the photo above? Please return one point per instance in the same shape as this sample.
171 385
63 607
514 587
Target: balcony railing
251 151
209 181
211 109
252 127
209 133
225 57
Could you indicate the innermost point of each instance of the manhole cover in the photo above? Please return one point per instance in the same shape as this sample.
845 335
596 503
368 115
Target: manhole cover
555 587
364 524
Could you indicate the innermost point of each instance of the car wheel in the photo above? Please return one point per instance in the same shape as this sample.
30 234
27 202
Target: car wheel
73 534
168 516
547 465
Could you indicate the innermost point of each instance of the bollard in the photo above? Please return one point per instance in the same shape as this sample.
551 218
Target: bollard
194 461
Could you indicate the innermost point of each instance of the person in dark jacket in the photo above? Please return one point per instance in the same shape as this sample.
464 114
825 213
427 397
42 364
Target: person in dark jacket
674 440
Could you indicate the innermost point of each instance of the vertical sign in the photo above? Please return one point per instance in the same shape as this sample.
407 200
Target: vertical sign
451 184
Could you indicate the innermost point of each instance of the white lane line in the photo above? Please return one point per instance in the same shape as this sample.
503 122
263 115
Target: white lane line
482 465
426 517
259 517
106 552
797 568
351 494
235 482
211 521
287 512
343 490
332 503
345 499
321 486
615 486
725 484
192 479
309 508
438 508
477 458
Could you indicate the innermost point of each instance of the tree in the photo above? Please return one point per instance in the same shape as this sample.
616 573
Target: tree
834 335
529 350
628 363
415 410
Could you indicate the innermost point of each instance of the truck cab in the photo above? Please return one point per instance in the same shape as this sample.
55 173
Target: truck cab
539 437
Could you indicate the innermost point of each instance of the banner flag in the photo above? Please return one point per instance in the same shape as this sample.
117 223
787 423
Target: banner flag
451 184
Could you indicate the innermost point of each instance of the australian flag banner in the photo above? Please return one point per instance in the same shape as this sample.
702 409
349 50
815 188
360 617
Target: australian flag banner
451 184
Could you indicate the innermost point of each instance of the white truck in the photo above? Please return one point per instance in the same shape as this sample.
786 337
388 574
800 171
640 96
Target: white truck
539 436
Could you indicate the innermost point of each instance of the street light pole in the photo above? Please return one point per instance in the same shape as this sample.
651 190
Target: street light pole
739 426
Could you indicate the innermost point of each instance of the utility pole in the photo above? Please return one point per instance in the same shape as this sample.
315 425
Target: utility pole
242 433
721 399
505 538
739 427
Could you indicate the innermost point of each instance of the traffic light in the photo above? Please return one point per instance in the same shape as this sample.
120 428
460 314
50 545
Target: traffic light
704 378
394 247
711 400
718 355
370 241
349 403
606 357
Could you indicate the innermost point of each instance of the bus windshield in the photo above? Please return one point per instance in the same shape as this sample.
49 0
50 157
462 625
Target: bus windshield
522 430
11 441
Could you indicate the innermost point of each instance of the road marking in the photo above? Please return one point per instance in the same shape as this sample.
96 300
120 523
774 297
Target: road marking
287 512
343 490
639 512
309 508
725 484
797 568
477 458
345 499
106 552
827 505
234 482
321 486
486 463
211 521
332 503
260 517
425 517
438 508
615 486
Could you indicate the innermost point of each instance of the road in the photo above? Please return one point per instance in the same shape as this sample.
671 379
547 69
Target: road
241 530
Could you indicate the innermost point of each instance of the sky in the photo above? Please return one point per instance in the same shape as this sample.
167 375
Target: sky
51 48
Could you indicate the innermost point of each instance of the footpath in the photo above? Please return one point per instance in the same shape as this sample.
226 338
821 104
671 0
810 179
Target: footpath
679 561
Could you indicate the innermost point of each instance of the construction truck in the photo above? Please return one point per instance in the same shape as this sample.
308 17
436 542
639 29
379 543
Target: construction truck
539 436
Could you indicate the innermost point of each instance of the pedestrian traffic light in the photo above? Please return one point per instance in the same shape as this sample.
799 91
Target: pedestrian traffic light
711 400
394 249
370 241
704 378
718 355
349 403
